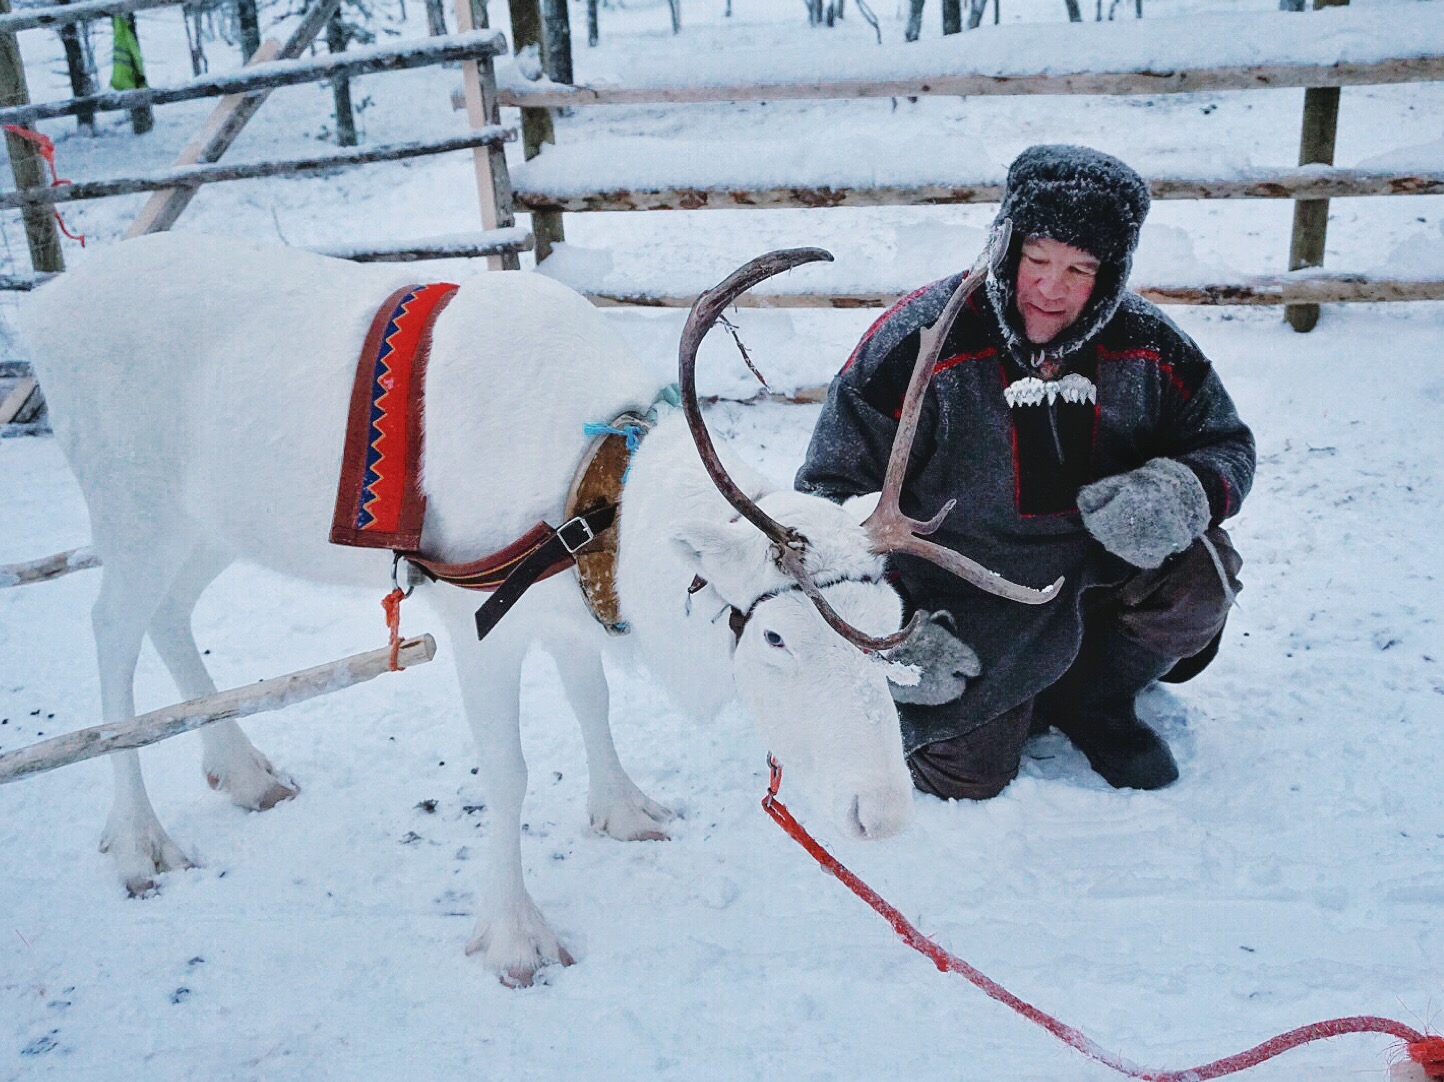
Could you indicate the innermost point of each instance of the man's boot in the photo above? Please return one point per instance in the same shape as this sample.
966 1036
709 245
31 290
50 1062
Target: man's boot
1093 706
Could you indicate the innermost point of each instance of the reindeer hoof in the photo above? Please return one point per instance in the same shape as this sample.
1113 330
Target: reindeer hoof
517 947
633 819
142 855
524 977
253 783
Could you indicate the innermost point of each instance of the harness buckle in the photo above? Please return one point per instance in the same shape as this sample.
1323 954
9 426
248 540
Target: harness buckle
588 535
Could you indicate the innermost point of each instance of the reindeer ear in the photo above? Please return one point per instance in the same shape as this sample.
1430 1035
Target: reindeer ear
719 554
859 507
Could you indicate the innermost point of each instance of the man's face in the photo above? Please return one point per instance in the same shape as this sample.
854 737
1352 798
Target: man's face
1055 281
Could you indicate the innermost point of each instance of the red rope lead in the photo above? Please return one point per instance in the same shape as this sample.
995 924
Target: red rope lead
47 151
1427 1051
391 603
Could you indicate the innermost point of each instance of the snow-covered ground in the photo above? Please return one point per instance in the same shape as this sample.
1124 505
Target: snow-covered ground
1292 874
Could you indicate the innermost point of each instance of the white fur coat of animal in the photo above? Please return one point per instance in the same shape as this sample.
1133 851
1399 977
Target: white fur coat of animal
200 386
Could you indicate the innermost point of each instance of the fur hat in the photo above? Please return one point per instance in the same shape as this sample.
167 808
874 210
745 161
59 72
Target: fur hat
1080 197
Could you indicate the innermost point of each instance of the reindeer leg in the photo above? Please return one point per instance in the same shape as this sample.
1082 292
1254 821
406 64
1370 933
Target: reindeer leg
231 763
511 934
615 805
133 836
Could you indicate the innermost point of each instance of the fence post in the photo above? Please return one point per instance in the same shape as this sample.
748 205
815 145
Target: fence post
1311 216
25 162
536 124
493 182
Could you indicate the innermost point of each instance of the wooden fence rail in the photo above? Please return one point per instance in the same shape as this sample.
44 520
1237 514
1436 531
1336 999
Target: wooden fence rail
1281 183
31 18
196 175
1244 77
480 44
1311 287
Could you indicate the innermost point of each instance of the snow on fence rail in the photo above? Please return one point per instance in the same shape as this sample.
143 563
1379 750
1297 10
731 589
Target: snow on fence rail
549 182
476 45
1309 286
1326 48
60 15
195 175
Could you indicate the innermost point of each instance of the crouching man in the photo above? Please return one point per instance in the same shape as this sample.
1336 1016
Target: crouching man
1083 435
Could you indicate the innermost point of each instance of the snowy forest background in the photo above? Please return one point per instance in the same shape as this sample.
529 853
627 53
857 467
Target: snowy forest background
1293 873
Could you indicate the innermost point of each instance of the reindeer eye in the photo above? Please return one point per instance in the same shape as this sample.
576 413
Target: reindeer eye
773 639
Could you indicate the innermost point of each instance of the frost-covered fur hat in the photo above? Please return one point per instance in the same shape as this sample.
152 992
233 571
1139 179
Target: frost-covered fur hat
1078 196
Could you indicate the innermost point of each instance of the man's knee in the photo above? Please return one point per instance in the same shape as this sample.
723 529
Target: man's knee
977 765
939 778
1180 609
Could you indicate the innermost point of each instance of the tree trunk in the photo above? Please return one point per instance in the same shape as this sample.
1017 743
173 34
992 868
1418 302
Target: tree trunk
976 8
436 18
341 85
557 25
952 17
1074 15
915 20
250 25
80 84
676 6
594 33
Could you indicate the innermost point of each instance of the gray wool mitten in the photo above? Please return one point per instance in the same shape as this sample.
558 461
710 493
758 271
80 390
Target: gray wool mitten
945 663
1147 514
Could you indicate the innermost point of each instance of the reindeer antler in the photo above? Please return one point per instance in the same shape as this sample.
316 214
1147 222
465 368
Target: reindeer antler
890 529
789 545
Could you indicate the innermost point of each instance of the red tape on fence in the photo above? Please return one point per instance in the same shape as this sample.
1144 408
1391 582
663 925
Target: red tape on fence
46 148
1425 1050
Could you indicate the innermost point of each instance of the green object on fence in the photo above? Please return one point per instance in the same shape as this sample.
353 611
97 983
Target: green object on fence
127 67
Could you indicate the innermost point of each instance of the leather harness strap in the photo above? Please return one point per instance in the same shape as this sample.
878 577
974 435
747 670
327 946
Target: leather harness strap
558 549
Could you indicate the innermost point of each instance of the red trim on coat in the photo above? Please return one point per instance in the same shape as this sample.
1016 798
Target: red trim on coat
950 362
1153 357
877 324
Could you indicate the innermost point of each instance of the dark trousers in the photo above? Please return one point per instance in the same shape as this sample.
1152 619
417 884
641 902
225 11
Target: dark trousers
1175 612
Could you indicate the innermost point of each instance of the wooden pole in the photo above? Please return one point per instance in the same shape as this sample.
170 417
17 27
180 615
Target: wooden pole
1316 288
1284 183
25 161
537 127
74 13
1311 216
974 82
493 182
418 53
239 702
193 176
224 125
48 567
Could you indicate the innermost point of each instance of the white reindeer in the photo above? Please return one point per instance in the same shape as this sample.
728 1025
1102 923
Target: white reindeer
199 387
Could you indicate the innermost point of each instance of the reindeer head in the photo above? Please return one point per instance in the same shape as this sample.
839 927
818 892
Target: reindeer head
818 687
